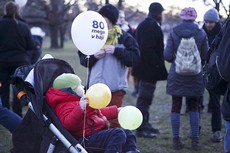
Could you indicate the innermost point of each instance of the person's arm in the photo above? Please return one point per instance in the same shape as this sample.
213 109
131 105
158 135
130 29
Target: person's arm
169 54
29 40
110 112
70 115
128 53
85 61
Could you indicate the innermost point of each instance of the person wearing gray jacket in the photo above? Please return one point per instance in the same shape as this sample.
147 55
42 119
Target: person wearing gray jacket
189 86
110 64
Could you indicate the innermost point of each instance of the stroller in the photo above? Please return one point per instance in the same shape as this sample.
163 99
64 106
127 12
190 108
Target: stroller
41 131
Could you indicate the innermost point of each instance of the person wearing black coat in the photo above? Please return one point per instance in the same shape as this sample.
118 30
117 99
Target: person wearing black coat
224 66
151 67
15 43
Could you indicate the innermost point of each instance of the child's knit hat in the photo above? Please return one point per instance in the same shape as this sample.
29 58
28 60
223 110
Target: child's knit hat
67 80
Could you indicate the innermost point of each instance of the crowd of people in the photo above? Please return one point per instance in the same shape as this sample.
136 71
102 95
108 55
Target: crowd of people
143 54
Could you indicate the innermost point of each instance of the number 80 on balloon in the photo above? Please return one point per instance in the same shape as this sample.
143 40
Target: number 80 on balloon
89 32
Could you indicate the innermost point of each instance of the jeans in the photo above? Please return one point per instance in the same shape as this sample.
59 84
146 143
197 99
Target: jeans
9 119
111 141
227 137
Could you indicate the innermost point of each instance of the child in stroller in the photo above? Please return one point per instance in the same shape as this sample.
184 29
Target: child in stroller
40 130
87 124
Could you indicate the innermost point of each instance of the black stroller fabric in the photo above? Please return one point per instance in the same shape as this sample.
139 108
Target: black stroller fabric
33 134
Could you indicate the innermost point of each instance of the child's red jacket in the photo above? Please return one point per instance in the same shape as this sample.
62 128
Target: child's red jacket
67 108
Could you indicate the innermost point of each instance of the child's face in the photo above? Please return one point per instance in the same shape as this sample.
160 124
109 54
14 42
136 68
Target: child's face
80 91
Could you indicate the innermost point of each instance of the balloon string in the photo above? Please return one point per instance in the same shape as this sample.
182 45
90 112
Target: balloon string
87 86
83 133
87 72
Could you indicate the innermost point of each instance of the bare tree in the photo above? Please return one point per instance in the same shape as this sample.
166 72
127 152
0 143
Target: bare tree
218 4
54 14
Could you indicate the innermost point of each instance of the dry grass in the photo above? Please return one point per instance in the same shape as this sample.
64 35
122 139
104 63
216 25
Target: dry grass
160 115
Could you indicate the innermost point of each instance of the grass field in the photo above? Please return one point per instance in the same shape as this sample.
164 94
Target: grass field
160 114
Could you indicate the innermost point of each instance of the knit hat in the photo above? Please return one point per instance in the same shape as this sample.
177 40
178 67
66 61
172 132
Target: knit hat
188 13
212 15
156 8
111 12
67 80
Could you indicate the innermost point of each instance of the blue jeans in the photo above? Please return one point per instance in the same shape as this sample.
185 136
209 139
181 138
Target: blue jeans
227 137
9 119
111 141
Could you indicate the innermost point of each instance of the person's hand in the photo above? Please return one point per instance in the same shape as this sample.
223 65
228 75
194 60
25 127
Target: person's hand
110 49
100 54
119 108
83 102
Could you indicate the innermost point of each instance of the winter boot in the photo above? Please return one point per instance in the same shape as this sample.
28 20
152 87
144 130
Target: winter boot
177 145
195 143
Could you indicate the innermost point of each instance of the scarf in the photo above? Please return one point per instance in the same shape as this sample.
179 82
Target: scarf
112 36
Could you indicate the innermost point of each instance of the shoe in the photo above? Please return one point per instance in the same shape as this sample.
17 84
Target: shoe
196 143
177 145
145 134
217 137
152 129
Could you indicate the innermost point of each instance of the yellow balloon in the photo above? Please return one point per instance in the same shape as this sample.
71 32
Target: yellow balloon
130 117
99 95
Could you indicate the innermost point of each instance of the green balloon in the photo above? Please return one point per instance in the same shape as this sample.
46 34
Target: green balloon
130 117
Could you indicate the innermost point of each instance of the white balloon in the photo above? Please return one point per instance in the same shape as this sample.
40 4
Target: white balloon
89 32
21 3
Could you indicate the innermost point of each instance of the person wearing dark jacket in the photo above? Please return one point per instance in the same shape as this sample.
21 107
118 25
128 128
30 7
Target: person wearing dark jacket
224 66
151 67
190 86
212 27
15 42
110 64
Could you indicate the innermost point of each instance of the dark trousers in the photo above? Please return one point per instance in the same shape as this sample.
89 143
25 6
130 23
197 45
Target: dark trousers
5 74
9 119
111 141
144 100
216 112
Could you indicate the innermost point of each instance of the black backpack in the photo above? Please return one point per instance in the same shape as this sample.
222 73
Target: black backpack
212 76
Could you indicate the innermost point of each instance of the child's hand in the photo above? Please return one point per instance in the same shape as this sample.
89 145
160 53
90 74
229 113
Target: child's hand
119 108
83 102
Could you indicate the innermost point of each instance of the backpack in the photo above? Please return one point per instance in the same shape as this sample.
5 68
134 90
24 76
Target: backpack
212 77
188 61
